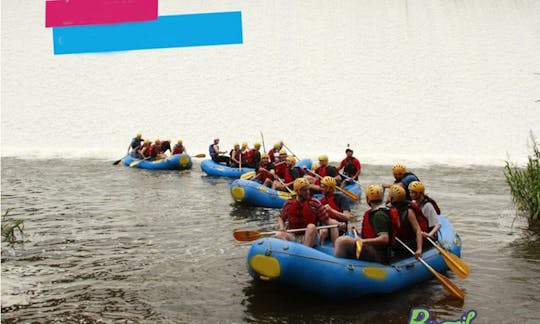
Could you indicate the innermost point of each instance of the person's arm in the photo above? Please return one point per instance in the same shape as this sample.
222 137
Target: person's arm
417 231
433 220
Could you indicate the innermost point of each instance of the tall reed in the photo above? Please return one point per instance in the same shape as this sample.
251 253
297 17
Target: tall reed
524 185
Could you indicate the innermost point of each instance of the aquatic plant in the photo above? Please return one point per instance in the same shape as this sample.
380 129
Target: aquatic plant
9 226
524 186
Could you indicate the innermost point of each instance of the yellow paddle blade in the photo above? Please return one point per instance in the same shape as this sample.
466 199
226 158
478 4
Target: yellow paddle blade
348 193
448 285
201 155
359 245
248 175
246 236
135 163
454 263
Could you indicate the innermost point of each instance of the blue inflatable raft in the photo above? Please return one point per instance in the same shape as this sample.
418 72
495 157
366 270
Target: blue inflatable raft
253 193
317 271
221 170
174 162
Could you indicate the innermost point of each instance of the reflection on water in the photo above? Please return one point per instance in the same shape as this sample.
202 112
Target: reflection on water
112 243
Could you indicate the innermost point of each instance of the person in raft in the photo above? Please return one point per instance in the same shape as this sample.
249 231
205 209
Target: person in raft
429 208
412 223
377 231
265 172
336 206
254 155
235 156
179 148
303 211
216 154
165 146
135 145
351 168
402 178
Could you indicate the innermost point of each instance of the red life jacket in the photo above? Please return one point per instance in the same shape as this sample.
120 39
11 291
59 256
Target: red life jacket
395 223
300 214
263 175
332 202
433 202
281 170
178 149
405 231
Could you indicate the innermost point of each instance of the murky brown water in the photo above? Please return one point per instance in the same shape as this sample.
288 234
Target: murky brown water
107 243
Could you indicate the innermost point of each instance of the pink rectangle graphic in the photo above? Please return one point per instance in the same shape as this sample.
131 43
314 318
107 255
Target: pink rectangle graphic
59 13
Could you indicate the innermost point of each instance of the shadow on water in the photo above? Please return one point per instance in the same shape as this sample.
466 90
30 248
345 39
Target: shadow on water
266 303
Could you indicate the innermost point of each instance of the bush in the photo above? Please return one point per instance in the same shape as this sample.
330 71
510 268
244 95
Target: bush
524 185
9 226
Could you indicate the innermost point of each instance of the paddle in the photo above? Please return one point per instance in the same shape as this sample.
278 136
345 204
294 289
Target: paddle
460 268
117 161
447 284
134 164
247 235
248 175
343 190
347 178
264 146
200 155
288 149
359 244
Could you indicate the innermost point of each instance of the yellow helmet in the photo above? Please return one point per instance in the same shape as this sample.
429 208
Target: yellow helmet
282 152
264 156
399 169
139 135
323 158
329 182
236 145
291 160
180 142
374 192
157 141
417 186
257 145
300 183
244 144
276 146
397 193
146 141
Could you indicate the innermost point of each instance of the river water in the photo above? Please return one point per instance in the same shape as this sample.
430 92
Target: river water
106 243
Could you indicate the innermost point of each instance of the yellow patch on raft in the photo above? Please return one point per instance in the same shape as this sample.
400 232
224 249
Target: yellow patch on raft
266 266
238 193
374 273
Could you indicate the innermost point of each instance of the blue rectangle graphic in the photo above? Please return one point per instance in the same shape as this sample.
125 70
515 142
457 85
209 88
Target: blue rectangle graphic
205 29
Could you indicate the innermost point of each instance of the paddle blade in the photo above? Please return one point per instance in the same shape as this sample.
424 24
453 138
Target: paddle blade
248 175
456 265
116 162
349 194
358 249
448 285
201 155
134 164
246 236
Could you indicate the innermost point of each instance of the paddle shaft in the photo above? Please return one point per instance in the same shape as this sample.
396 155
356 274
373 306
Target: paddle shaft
262 138
447 284
343 190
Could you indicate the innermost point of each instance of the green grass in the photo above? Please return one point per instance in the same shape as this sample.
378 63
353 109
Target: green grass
524 185
9 227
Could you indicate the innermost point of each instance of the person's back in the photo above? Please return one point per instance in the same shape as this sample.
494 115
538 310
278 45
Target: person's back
375 242
178 148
